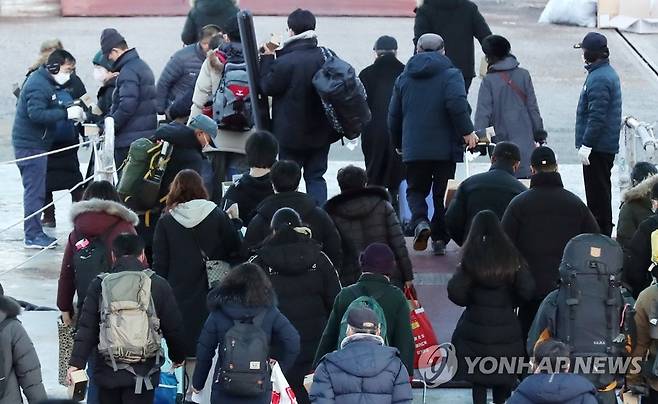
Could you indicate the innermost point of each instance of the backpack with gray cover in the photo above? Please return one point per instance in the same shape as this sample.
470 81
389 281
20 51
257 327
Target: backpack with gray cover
590 306
231 106
129 327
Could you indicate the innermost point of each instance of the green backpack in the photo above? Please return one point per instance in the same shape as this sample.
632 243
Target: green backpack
362 299
141 177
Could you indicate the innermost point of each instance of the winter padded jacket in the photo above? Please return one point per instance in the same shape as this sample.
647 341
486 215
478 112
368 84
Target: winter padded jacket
429 114
248 192
179 75
511 109
493 190
321 225
227 305
363 217
635 208
22 367
37 111
87 336
598 117
396 311
104 97
363 371
298 118
91 219
560 388
646 309
180 237
206 12
458 22
637 259
541 221
133 101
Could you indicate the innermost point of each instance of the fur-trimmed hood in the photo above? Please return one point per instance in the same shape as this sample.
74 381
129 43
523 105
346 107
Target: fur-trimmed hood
641 190
9 308
103 206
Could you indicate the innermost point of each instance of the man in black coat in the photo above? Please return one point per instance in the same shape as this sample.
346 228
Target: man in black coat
133 101
286 176
205 13
383 165
493 190
429 119
540 222
458 22
118 387
298 118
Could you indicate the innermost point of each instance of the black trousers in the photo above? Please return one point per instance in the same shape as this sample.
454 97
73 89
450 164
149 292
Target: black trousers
527 313
500 394
125 395
423 176
598 189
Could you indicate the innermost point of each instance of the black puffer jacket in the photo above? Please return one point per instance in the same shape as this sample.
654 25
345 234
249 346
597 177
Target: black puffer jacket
179 75
306 285
635 208
206 12
248 192
104 96
86 339
489 327
364 217
298 118
458 22
541 221
133 101
322 228
638 256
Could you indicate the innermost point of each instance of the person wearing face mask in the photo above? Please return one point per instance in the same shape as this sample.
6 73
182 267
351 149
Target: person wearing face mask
42 117
104 76
598 119
134 100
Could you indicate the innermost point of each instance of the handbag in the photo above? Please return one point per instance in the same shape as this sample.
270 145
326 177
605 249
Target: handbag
216 270
421 327
281 391
65 335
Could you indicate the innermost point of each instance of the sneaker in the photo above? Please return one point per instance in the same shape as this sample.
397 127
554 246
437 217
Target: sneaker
50 224
40 242
422 234
439 247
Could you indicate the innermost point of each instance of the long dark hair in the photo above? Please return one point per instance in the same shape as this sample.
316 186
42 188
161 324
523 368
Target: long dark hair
488 254
250 283
187 186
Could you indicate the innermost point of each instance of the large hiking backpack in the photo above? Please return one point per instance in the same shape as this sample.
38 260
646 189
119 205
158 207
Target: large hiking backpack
343 96
4 361
141 178
232 107
245 358
590 303
90 259
129 326
362 299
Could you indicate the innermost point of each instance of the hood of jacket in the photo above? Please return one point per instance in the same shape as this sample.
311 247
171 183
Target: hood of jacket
300 202
307 35
554 388
363 357
93 217
356 204
9 308
213 6
190 214
231 301
427 64
444 4
641 190
179 135
234 52
509 63
290 252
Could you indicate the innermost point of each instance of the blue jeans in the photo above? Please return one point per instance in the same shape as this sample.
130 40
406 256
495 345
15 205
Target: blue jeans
314 163
92 387
33 175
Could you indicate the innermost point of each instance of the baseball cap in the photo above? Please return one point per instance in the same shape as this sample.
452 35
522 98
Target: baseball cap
543 156
593 41
363 319
205 124
386 43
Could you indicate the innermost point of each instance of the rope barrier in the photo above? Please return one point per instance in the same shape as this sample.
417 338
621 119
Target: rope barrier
36 156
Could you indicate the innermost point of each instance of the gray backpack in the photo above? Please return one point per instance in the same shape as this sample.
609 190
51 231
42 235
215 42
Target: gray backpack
231 106
129 327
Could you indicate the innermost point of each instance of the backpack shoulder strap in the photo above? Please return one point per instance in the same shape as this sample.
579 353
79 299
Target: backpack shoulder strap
507 79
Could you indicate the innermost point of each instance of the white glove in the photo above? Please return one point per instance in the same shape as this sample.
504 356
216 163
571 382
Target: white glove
76 113
584 153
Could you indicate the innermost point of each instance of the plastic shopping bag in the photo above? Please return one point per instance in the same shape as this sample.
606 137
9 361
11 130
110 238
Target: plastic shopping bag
570 12
281 391
421 327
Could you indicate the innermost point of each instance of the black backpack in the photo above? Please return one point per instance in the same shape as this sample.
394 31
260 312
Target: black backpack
90 259
245 368
3 362
592 316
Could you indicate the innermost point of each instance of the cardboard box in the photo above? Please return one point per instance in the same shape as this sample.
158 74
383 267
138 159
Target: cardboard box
639 16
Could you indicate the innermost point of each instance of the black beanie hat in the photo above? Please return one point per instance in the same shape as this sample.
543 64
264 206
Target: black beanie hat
641 171
496 46
284 218
377 258
110 38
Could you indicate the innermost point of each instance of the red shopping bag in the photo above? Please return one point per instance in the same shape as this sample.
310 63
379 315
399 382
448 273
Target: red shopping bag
421 327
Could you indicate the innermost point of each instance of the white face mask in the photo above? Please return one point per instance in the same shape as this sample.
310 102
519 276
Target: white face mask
100 74
62 78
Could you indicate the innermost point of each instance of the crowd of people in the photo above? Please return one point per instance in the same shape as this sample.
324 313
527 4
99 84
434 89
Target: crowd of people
232 277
